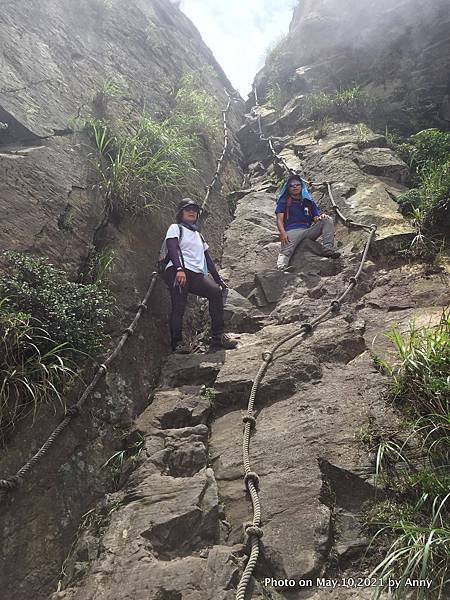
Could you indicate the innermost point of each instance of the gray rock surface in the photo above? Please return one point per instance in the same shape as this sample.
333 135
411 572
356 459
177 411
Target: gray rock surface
62 62
399 54
173 530
319 397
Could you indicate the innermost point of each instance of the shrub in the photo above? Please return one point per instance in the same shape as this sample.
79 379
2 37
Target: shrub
122 462
141 165
350 103
70 313
362 133
420 547
429 147
422 381
33 368
275 59
435 196
409 200
138 169
427 154
322 128
47 327
318 106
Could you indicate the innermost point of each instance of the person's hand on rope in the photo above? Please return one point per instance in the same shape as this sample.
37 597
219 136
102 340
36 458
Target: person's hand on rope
180 278
222 284
284 238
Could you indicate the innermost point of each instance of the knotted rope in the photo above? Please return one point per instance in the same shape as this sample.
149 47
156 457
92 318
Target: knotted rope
209 188
11 483
251 480
7 485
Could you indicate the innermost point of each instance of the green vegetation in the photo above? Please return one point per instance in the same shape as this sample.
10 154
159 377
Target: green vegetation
277 95
393 138
428 155
362 133
412 522
322 128
281 83
351 104
116 464
138 169
141 165
196 112
100 266
48 325
275 59
209 394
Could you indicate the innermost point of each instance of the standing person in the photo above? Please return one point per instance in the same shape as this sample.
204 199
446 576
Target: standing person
186 272
298 219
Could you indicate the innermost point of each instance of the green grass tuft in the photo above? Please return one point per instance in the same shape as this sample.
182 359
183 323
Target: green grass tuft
412 524
137 170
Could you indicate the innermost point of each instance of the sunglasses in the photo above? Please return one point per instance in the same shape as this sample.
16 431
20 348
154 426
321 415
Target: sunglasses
295 185
191 209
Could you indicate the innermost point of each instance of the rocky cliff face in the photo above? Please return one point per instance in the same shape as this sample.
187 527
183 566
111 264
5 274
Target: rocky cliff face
62 62
176 530
397 51
173 529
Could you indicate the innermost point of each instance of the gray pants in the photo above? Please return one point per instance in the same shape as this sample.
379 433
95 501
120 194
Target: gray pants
324 228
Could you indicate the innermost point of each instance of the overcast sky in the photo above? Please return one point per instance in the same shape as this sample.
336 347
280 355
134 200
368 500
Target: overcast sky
239 32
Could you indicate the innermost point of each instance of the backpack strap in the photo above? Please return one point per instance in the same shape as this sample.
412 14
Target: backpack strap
180 236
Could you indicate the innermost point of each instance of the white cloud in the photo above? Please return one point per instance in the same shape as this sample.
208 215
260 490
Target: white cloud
239 32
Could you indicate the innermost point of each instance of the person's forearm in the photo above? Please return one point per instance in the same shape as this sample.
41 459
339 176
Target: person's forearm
172 250
212 268
280 222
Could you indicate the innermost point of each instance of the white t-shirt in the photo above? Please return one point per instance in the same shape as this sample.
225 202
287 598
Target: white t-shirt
191 246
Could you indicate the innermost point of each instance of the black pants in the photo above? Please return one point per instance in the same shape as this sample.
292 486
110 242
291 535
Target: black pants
198 284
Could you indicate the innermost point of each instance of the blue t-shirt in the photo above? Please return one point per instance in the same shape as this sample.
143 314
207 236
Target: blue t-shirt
299 214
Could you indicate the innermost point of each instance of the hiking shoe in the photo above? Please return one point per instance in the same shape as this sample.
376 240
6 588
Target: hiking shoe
285 268
330 253
181 348
223 341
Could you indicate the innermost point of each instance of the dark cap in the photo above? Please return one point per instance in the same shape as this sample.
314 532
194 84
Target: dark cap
188 202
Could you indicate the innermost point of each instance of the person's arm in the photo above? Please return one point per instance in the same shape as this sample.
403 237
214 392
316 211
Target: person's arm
316 214
280 224
321 217
172 250
213 270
